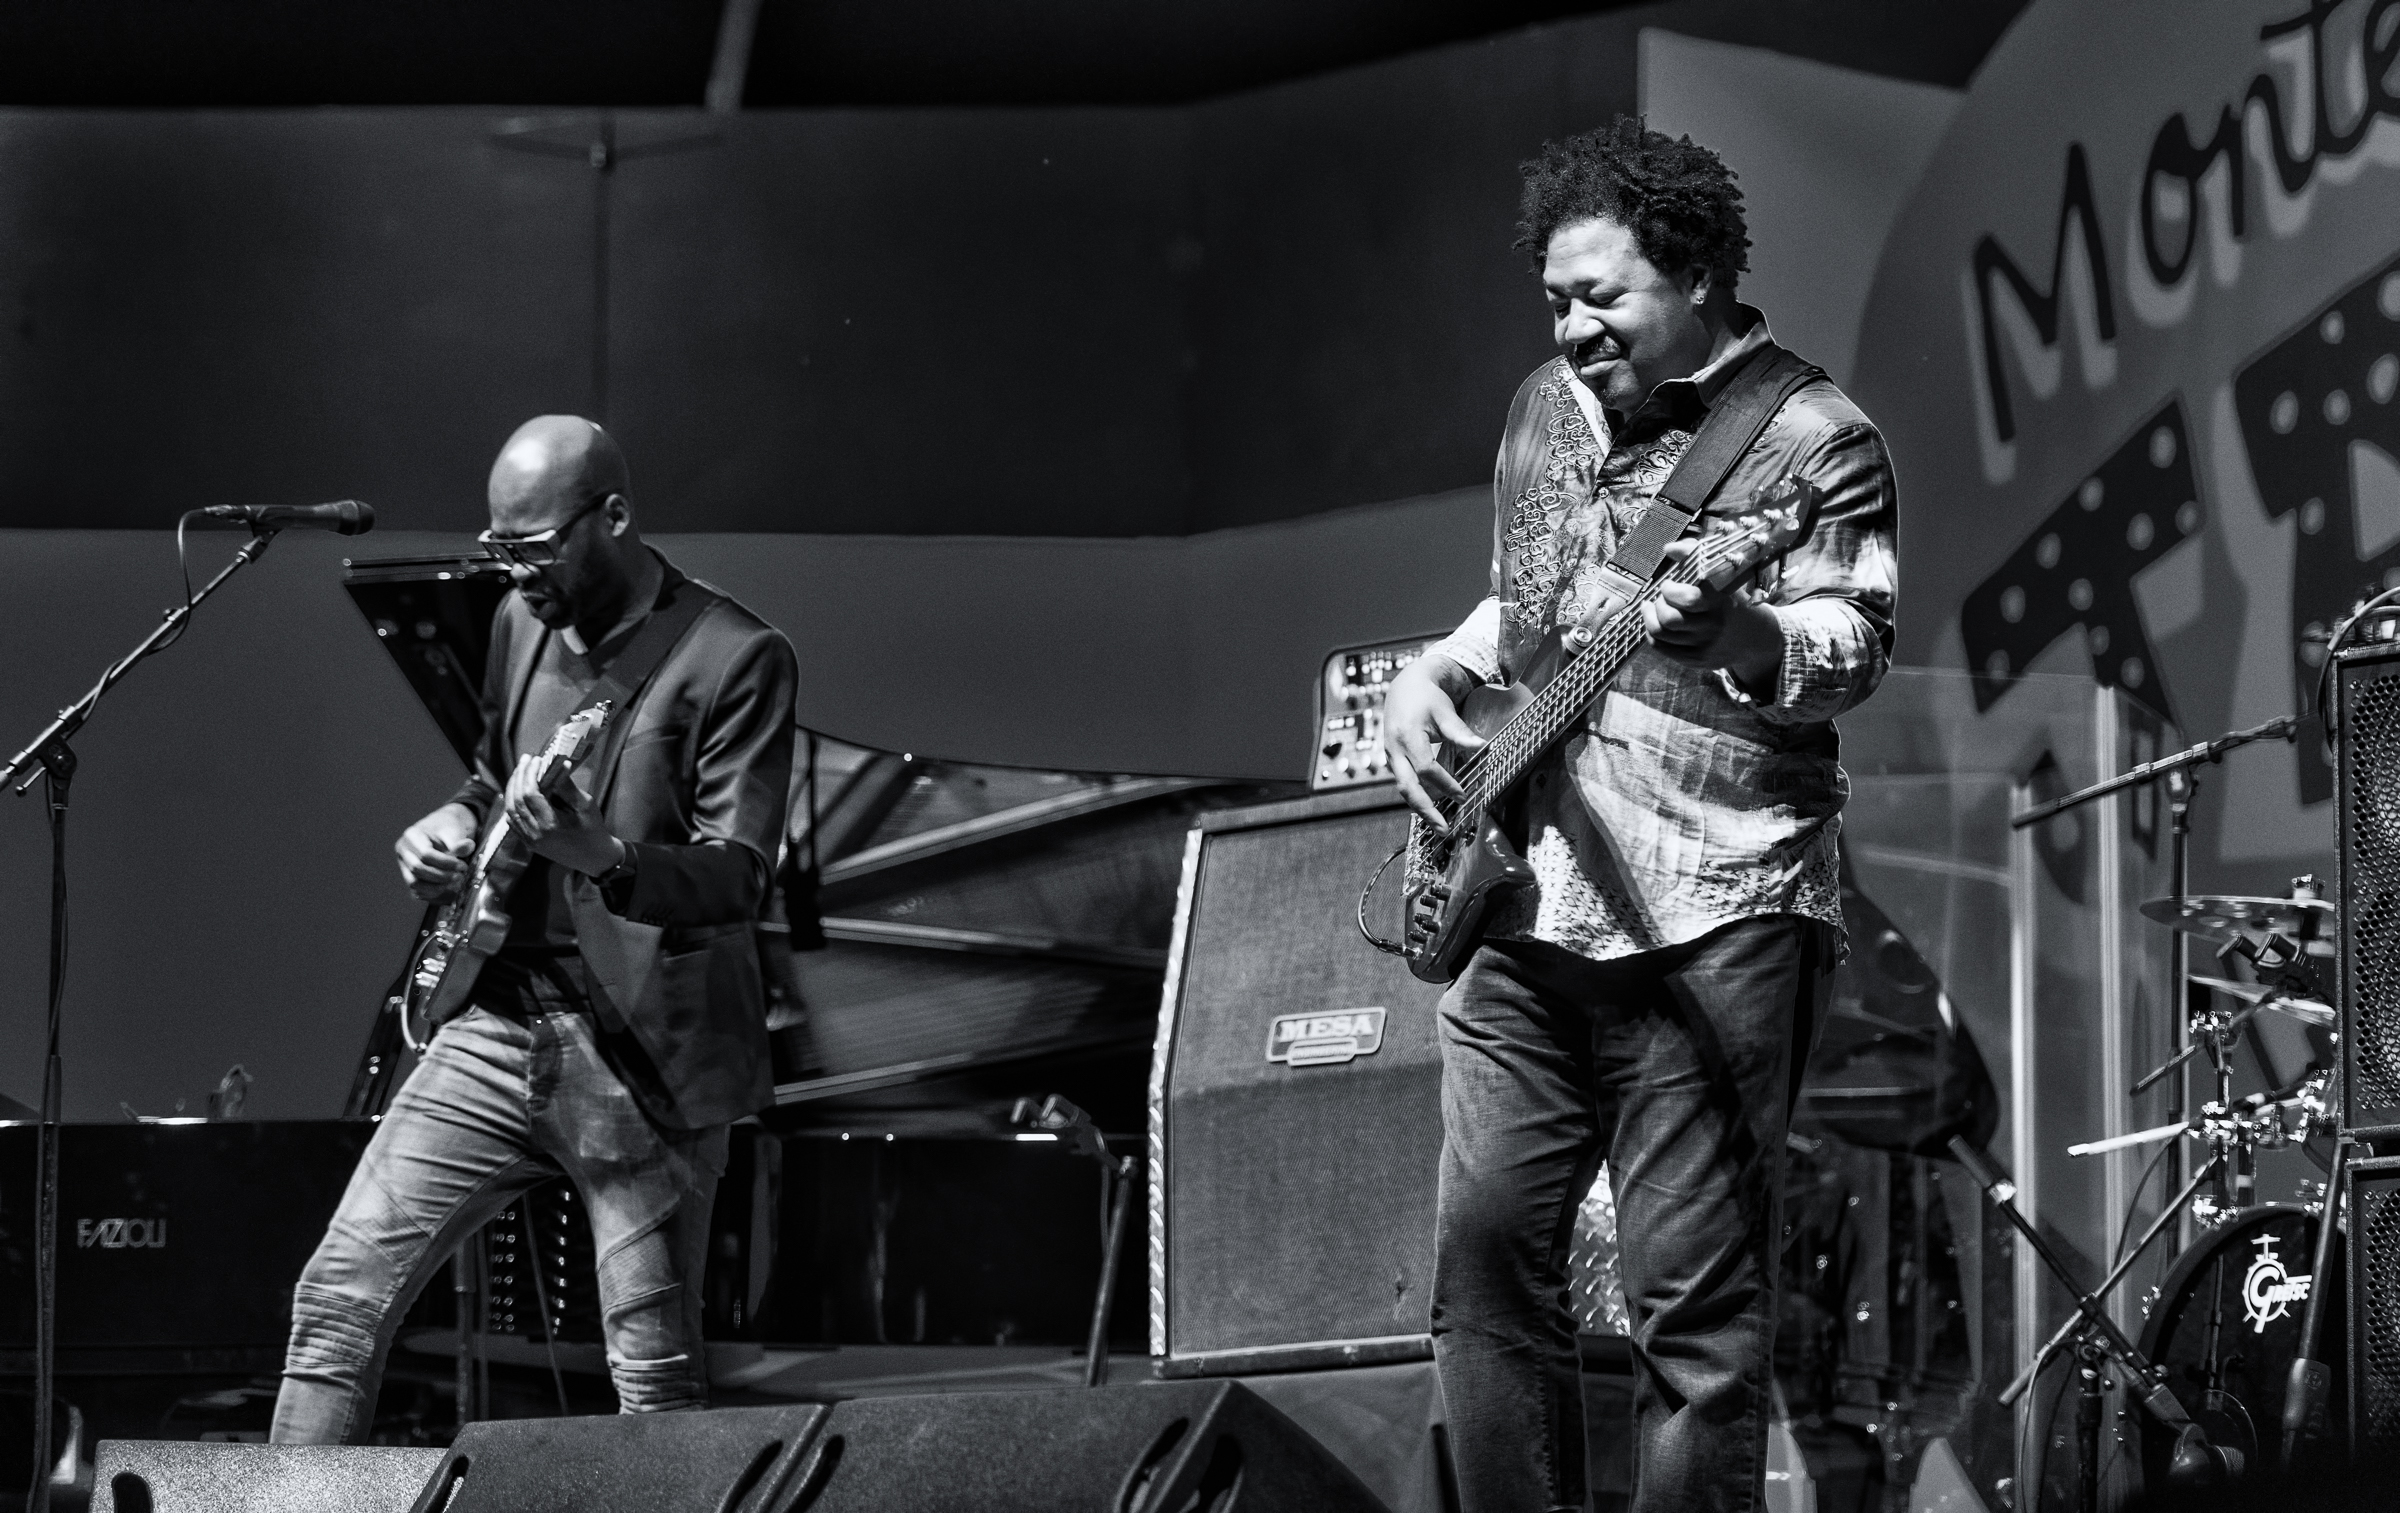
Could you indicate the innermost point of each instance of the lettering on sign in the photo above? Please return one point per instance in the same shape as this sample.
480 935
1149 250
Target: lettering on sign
2268 1292
1324 1039
120 1234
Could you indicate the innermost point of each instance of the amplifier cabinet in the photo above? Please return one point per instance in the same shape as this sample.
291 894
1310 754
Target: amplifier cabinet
2367 824
2372 1202
1295 1108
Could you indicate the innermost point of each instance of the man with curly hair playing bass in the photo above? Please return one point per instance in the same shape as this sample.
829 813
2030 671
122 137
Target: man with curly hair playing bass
1649 997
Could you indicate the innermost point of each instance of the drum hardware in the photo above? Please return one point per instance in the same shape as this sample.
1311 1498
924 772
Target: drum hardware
2275 936
2195 1461
2258 1120
2258 996
2220 1027
2236 1336
2180 772
2236 1130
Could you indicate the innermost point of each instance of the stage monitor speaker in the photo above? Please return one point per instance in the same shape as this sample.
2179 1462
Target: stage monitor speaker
729 1460
188 1476
1295 1101
2367 822
2372 1202
1159 1447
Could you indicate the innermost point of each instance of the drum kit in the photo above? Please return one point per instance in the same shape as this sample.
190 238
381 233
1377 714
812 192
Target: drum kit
2242 1344
2236 1310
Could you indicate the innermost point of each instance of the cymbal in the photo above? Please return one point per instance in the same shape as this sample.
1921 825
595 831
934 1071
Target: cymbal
2306 922
2306 1010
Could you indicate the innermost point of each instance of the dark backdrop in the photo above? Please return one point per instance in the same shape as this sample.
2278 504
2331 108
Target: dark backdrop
1020 321
1025 323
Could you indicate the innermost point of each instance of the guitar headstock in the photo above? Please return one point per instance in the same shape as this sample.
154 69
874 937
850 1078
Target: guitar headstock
1763 528
575 736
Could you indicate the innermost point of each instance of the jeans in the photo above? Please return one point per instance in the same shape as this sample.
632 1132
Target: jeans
1681 1064
496 1106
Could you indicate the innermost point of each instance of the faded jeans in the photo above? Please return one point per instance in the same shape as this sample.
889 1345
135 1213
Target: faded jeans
497 1106
1680 1065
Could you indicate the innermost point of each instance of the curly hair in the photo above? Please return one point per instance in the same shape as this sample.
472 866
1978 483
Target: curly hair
1675 196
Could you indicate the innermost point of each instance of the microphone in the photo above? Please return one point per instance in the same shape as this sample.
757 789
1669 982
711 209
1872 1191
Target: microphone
344 517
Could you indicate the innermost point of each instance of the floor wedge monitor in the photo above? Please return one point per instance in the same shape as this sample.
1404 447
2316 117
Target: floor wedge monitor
188 1476
729 1460
1152 1447
1295 1108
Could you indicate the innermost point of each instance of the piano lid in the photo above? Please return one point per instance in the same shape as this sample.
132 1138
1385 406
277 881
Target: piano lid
434 615
993 932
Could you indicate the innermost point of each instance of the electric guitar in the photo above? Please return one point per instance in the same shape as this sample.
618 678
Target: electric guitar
472 923
1458 870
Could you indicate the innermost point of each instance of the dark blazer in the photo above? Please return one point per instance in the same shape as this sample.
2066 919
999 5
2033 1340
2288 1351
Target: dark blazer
693 777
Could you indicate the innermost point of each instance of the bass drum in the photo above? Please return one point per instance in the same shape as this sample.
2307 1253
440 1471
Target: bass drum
2226 1326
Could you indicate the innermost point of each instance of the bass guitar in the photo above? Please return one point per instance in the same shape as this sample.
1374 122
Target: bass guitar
1458 870
472 923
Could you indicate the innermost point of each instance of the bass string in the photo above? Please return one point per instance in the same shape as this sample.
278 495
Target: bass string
1489 773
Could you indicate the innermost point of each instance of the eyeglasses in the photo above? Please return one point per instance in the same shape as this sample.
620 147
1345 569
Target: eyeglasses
540 549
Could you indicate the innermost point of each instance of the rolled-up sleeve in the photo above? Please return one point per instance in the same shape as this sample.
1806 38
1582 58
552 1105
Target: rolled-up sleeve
1475 645
1834 592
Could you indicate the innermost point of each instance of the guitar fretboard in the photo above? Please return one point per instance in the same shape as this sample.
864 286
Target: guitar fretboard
1484 777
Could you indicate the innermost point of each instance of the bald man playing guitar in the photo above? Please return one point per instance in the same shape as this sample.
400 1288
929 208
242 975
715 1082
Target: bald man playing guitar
619 1027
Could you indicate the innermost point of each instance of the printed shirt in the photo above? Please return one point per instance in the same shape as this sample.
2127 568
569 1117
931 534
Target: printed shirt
1681 802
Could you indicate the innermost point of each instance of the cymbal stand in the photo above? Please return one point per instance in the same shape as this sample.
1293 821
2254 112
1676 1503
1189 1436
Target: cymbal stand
2196 1462
2182 787
2237 1180
51 761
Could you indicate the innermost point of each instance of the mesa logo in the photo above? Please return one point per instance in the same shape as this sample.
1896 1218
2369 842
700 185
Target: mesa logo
120 1234
1324 1039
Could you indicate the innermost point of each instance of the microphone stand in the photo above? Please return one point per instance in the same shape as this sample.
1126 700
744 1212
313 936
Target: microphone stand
51 761
1057 1116
2195 1462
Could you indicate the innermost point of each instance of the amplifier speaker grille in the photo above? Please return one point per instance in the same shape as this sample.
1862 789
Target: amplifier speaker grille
2374 1303
1294 1206
2368 819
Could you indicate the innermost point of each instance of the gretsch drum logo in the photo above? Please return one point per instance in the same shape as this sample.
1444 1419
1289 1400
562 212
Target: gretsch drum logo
1325 1039
120 1234
2268 1292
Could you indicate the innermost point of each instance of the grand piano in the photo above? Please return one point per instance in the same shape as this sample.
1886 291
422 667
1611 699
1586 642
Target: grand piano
947 938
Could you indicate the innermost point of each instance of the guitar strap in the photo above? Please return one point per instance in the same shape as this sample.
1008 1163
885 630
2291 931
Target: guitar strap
1750 398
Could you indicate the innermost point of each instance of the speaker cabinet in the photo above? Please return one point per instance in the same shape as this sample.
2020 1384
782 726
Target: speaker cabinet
2372 1202
184 1476
1151 1448
729 1460
2367 822
1295 1106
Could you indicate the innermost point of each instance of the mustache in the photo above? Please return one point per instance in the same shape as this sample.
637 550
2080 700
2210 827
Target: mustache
1589 350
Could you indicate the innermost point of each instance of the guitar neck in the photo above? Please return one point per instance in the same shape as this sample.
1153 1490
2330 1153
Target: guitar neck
1533 729
493 840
